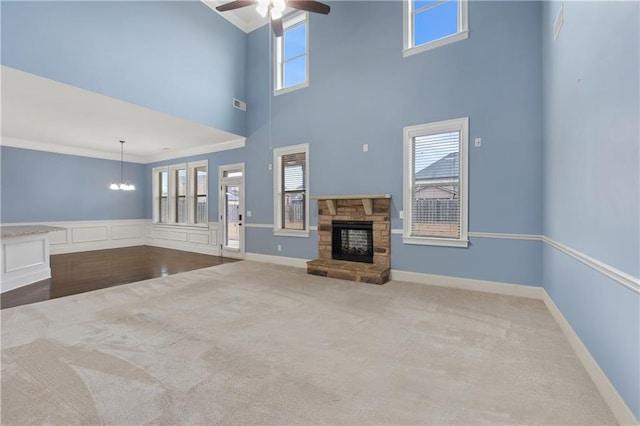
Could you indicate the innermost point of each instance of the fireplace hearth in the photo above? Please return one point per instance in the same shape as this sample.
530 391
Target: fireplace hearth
352 240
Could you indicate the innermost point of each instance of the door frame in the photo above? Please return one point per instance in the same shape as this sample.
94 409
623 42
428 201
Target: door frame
238 253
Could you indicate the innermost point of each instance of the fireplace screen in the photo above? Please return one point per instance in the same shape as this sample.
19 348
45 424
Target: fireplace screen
352 240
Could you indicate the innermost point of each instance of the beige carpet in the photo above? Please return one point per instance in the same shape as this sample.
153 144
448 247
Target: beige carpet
256 343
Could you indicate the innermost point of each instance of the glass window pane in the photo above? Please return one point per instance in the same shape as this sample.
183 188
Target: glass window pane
201 181
201 209
436 186
232 209
294 41
164 184
181 182
295 71
164 210
293 210
437 22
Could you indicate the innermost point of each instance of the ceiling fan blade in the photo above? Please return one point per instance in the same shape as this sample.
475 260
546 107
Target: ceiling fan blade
237 4
309 6
276 24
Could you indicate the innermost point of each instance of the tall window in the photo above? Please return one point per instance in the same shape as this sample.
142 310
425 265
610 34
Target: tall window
180 194
435 176
431 24
291 183
291 61
162 203
200 200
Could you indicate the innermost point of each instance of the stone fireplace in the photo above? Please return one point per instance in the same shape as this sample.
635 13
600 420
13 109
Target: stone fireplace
354 236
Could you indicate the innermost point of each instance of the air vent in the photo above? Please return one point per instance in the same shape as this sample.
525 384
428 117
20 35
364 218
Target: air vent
237 103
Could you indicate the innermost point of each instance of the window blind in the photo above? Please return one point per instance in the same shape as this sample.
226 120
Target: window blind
436 185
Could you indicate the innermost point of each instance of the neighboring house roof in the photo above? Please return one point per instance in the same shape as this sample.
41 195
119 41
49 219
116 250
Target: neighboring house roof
446 167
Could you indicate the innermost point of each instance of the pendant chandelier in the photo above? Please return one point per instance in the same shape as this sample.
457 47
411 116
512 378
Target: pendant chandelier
122 185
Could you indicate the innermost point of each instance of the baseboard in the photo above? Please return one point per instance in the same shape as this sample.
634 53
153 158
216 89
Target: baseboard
519 290
25 279
277 260
609 393
174 245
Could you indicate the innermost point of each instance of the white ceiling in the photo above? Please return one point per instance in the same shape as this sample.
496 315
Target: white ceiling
42 114
246 18
46 115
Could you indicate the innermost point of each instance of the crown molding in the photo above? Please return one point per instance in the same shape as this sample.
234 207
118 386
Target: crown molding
91 153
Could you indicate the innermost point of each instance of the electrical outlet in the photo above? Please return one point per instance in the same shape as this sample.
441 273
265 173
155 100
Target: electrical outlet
279 247
248 213
401 214
365 147
270 166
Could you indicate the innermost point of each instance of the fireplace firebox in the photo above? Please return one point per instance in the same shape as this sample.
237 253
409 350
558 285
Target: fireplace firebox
352 240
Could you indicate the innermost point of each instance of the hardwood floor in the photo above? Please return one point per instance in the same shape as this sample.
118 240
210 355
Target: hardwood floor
92 270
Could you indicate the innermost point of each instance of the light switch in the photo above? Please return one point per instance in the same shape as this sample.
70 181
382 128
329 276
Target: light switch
478 142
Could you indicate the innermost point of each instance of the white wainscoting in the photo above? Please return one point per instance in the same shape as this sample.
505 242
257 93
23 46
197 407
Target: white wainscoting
187 238
24 260
94 234
81 236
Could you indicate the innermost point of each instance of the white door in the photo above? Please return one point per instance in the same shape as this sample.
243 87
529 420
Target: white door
231 210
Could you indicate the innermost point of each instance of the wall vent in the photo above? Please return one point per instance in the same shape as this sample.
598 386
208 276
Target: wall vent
237 103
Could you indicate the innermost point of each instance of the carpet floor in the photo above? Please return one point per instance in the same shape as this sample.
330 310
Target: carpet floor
253 343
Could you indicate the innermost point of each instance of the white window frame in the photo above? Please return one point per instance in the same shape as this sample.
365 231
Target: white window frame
289 22
172 198
278 153
408 31
410 132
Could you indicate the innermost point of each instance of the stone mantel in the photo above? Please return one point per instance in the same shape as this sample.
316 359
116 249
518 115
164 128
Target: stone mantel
367 201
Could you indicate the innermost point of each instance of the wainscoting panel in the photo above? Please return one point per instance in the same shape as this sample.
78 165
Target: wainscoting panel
86 234
121 232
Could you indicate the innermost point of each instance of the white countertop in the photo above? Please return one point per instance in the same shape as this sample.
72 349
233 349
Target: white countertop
9 231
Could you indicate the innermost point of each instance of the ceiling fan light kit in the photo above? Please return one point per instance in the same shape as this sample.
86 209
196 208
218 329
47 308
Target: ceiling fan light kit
276 8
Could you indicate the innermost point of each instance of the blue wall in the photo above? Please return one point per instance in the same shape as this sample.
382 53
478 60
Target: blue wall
180 58
363 91
591 178
47 187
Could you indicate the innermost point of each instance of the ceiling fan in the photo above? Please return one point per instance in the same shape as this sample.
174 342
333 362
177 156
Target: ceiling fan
275 8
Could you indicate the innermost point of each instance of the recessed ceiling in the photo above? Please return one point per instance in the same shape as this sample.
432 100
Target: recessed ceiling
43 114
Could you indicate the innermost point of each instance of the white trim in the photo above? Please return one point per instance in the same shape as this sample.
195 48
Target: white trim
436 43
259 225
277 194
460 125
528 237
397 231
408 47
91 153
239 252
290 89
89 235
629 281
68 150
313 228
292 20
277 260
494 287
609 393
433 241
298 233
